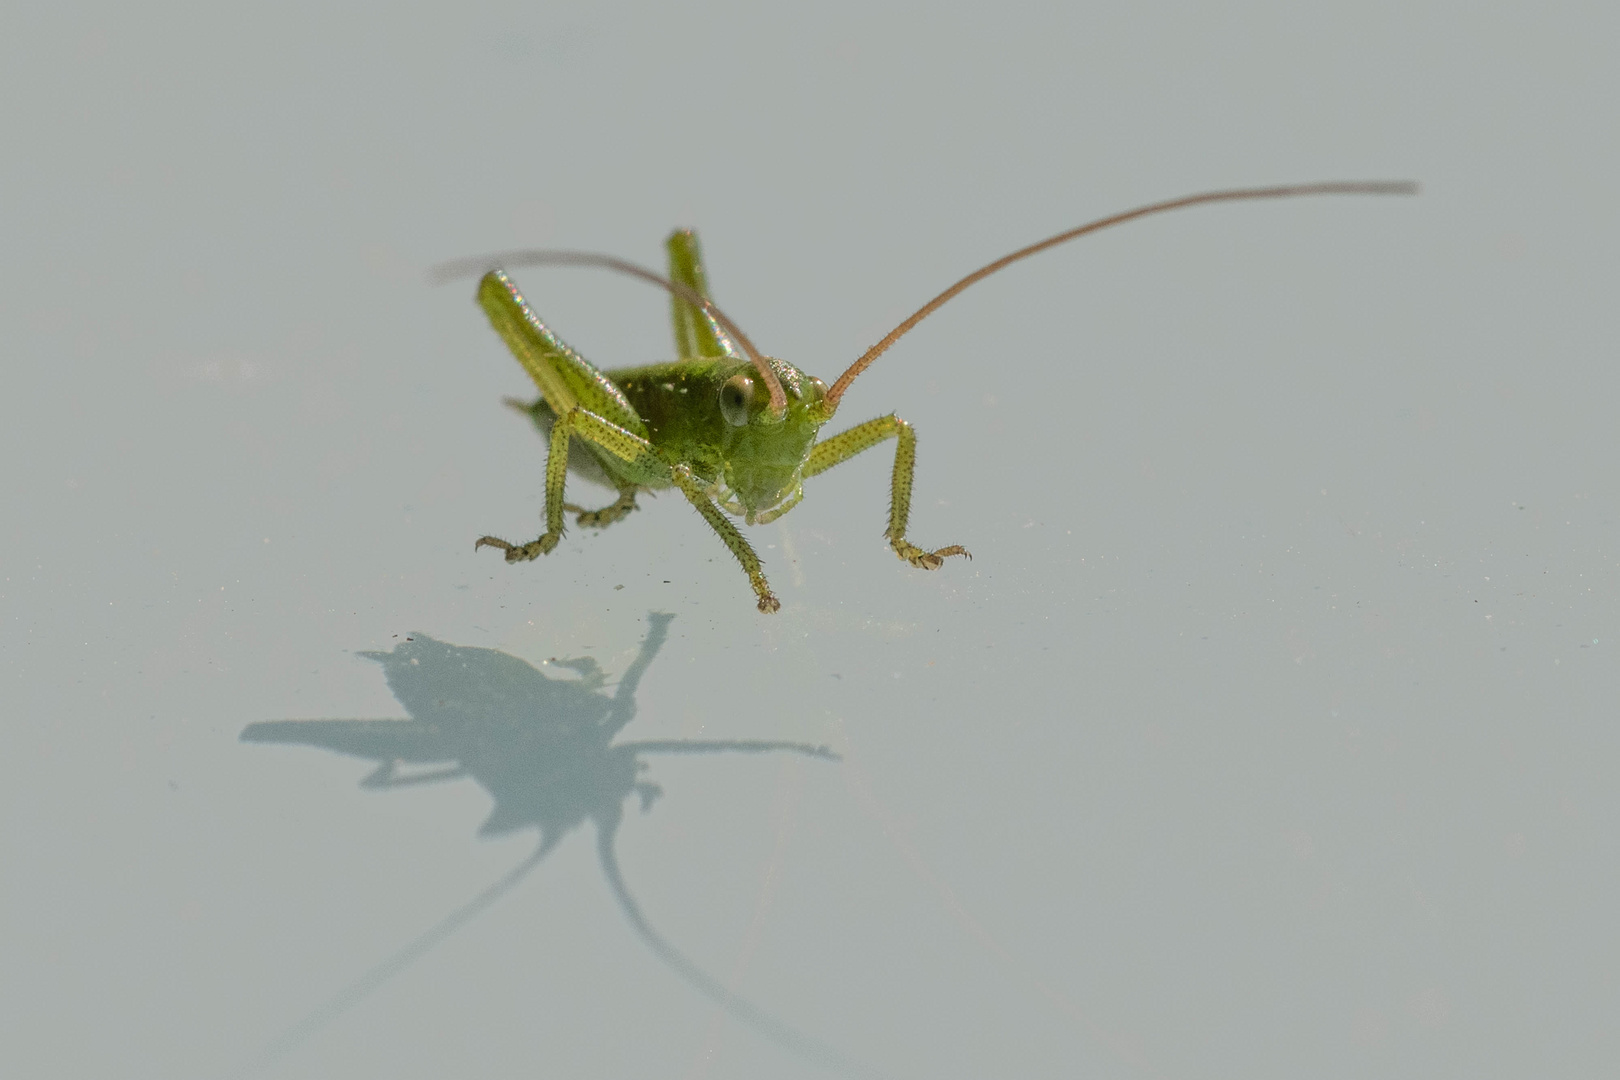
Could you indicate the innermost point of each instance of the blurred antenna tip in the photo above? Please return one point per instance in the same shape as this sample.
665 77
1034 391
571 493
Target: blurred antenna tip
456 269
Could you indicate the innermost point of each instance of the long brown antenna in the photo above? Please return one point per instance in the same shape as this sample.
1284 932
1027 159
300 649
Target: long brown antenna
1343 187
480 264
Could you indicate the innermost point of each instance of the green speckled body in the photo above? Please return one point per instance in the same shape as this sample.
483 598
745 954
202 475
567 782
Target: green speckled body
703 424
753 469
734 435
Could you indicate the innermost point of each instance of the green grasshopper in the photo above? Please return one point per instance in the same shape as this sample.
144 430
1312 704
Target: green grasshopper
734 430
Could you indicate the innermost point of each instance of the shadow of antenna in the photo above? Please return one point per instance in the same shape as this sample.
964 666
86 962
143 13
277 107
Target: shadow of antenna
543 748
805 1046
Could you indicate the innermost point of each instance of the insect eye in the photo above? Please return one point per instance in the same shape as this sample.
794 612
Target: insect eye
735 396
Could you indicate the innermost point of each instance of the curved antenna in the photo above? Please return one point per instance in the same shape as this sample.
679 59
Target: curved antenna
480 264
1343 187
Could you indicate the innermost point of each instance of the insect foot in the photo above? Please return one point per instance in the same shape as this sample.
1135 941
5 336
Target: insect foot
929 560
520 552
601 519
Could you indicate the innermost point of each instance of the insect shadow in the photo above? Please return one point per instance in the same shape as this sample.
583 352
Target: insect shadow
544 749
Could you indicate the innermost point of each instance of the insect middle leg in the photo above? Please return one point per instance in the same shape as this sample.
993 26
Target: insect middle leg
542 416
601 519
637 461
846 444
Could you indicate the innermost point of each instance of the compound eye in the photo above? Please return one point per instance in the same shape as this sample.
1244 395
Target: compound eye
735 397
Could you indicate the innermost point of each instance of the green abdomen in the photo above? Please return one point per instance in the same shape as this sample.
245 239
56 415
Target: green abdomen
680 405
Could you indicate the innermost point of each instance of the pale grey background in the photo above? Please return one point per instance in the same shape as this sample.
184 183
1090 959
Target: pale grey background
1270 733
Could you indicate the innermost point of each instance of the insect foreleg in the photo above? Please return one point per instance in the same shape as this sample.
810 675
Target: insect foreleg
846 444
699 497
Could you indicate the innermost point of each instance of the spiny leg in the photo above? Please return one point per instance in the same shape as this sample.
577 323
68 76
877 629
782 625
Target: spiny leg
682 475
845 445
641 465
601 519
541 415
556 475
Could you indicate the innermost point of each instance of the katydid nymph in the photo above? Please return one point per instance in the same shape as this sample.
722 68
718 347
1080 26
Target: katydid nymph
734 430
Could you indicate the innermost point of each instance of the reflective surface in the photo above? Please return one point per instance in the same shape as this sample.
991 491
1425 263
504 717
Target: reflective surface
1269 733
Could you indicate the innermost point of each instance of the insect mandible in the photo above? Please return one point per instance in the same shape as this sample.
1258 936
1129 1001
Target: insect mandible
734 430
